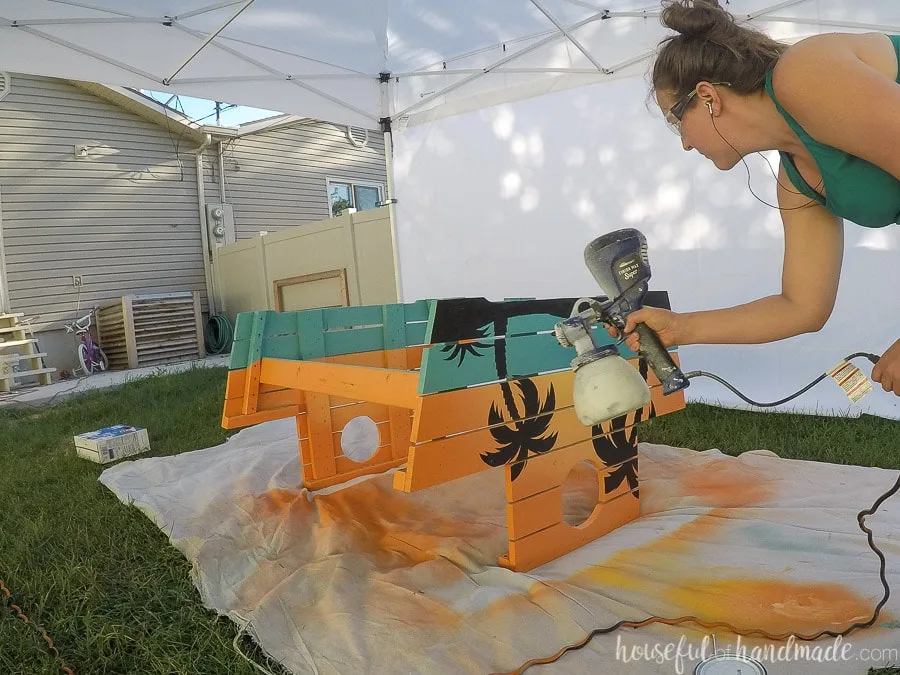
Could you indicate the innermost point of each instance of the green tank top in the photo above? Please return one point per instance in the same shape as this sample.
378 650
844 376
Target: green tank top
855 189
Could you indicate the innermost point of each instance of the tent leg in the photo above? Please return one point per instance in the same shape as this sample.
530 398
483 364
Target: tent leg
389 166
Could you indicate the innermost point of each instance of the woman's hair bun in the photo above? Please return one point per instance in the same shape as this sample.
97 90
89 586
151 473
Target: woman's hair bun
697 18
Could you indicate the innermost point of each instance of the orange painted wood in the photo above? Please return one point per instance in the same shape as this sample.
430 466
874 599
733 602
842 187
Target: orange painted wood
251 389
306 470
375 411
534 514
557 540
400 418
447 459
234 385
259 417
318 484
373 385
438 461
401 430
280 398
540 511
463 410
346 466
543 472
320 442
407 358
384 433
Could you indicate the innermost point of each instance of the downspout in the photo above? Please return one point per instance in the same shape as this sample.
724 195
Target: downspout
385 80
204 229
221 173
4 279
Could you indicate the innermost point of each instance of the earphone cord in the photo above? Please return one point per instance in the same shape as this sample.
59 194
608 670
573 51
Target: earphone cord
793 208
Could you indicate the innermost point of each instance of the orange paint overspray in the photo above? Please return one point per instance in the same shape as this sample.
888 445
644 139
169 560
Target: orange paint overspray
381 534
771 605
727 483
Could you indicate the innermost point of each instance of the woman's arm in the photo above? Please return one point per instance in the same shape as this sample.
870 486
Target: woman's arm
813 253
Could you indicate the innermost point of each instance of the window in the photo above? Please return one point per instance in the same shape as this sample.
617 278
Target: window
344 195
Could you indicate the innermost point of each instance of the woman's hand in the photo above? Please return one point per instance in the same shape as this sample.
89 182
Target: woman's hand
887 371
667 324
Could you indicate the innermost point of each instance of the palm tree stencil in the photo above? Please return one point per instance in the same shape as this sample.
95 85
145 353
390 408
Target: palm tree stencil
469 320
463 349
525 436
620 447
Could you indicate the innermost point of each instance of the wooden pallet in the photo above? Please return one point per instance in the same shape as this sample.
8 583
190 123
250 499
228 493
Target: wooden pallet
19 355
151 329
451 388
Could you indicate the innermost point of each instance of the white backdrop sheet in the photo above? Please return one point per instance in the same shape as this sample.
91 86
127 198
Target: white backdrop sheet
501 202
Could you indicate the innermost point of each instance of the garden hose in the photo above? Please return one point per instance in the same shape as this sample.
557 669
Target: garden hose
860 518
218 334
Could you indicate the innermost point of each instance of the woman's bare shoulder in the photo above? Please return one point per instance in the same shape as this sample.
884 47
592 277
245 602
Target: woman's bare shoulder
808 58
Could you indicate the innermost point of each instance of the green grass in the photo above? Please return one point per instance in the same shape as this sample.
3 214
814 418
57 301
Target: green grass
99 576
118 599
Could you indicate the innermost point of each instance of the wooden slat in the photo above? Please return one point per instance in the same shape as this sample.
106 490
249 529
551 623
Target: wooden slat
17 343
251 384
283 398
11 358
464 410
543 510
342 462
343 317
163 344
165 350
375 411
375 385
318 484
526 355
397 358
462 455
12 376
234 385
552 542
258 418
320 442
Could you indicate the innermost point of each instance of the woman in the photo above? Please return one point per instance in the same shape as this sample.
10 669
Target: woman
730 91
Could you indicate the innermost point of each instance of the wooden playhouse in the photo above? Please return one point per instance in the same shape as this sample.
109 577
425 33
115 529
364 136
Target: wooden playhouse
444 389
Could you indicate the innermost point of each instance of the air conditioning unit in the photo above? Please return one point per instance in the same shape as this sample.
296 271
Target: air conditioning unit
5 85
220 221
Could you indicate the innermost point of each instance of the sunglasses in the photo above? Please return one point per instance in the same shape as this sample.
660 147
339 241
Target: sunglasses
676 112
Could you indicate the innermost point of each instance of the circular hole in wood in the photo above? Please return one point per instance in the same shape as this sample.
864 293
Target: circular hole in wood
360 439
580 493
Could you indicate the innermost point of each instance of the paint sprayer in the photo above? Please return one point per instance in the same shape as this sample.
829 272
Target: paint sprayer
606 385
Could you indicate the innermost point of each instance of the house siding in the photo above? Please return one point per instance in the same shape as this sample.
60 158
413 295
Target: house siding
125 218
277 178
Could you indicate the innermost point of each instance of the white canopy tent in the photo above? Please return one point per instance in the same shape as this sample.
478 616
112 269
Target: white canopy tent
511 120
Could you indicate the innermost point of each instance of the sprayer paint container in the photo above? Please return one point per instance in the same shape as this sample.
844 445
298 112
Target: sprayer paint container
730 664
606 386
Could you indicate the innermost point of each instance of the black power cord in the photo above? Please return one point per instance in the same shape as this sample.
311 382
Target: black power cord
860 518
699 373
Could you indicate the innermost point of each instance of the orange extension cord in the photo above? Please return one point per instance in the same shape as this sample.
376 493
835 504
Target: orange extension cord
11 601
691 619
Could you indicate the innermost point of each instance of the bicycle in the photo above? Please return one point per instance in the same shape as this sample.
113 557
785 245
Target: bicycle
90 356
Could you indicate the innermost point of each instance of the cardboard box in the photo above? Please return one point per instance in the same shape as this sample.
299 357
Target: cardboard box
112 443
